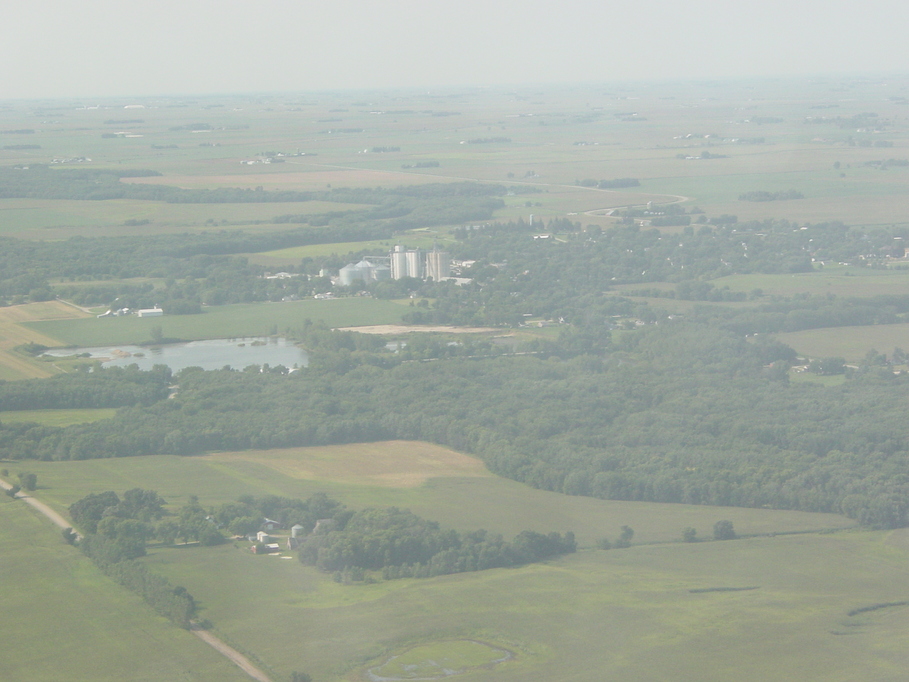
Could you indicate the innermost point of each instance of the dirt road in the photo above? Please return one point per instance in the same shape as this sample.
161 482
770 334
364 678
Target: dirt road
239 659
235 656
41 507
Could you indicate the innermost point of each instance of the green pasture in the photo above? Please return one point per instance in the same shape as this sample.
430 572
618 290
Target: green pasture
852 343
229 321
439 659
418 239
811 378
594 615
64 620
838 280
461 502
60 219
56 417
618 614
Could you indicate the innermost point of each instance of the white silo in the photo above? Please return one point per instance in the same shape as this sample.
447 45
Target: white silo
414 264
398 263
348 275
438 265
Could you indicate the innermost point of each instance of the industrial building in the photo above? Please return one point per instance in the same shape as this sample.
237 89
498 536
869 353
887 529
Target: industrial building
438 265
401 263
364 272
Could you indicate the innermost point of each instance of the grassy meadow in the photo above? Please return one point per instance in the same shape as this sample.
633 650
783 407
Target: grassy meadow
443 485
621 614
839 280
56 417
51 219
662 609
418 239
66 621
852 343
228 321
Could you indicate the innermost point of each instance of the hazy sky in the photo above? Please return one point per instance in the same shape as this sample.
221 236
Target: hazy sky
57 48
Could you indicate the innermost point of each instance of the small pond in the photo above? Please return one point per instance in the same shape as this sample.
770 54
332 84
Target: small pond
209 354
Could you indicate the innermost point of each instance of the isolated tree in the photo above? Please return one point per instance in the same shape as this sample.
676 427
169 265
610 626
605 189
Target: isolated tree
723 530
28 481
300 677
690 535
625 537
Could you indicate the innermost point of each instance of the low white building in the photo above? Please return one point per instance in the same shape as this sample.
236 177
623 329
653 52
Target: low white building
150 312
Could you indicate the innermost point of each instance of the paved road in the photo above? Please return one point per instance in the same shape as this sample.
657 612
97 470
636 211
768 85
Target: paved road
235 656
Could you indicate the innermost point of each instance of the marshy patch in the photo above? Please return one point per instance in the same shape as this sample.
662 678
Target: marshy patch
877 607
438 660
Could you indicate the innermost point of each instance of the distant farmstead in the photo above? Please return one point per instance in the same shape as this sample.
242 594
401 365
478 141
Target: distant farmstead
150 312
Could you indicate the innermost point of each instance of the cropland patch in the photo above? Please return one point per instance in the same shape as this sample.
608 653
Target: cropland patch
57 417
73 623
292 255
314 178
619 614
852 343
438 661
13 332
222 322
51 219
396 464
836 280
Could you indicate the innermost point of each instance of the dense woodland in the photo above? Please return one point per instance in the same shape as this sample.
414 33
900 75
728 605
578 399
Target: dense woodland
677 412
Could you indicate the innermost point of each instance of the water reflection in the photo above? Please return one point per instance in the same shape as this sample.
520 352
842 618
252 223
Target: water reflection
209 354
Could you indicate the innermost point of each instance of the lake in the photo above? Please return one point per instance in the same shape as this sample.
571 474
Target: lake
209 354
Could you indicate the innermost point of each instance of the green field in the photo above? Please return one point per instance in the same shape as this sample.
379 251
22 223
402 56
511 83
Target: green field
627 614
65 621
838 280
464 497
61 219
852 343
56 417
622 614
421 239
229 321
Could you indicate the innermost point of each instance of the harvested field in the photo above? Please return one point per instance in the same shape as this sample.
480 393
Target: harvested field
395 464
13 333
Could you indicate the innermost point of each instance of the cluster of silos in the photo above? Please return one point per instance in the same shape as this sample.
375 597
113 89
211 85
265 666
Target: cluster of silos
410 263
438 265
364 272
406 263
